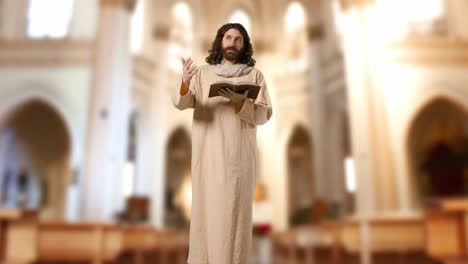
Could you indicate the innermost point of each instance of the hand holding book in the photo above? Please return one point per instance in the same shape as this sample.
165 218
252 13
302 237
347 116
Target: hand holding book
239 88
236 99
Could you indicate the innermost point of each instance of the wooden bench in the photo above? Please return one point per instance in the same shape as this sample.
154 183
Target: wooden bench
140 242
44 242
94 242
386 239
8 219
174 248
307 245
64 242
21 242
446 226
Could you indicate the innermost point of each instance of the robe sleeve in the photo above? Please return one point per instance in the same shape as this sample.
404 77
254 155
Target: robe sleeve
258 111
183 102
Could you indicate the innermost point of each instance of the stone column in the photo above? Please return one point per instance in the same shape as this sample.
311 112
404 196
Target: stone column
361 109
13 19
317 114
159 111
368 116
108 118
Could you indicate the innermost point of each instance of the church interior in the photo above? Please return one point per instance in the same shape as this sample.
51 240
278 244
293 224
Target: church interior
364 161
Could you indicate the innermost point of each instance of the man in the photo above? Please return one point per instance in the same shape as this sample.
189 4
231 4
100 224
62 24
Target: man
224 157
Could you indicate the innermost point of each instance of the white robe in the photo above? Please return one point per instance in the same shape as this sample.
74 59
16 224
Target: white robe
224 168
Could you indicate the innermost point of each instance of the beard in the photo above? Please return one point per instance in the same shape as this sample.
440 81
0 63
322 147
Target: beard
231 54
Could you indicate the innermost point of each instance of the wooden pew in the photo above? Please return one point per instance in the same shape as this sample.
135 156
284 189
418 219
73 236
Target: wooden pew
6 217
386 239
380 239
31 241
18 235
307 245
446 226
144 244
174 246
283 247
94 242
52 242
140 243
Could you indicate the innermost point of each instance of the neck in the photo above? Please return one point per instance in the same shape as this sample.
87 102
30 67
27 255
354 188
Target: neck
228 62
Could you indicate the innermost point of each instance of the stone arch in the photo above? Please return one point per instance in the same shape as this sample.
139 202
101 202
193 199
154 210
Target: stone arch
300 179
181 33
436 142
178 178
21 95
238 11
295 23
251 8
40 171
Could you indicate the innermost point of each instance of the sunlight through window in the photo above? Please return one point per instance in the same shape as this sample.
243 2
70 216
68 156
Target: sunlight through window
337 17
49 18
184 195
350 174
128 178
425 10
241 17
181 35
296 38
397 19
137 27
295 17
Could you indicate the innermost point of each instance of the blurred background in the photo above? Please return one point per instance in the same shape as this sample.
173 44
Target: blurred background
365 159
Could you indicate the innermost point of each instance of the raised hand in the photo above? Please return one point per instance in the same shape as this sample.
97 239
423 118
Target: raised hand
189 69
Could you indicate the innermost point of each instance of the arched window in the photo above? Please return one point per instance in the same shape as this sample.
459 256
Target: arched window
178 190
130 166
296 37
437 147
350 174
398 18
301 182
337 17
137 28
49 18
427 17
181 35
241 17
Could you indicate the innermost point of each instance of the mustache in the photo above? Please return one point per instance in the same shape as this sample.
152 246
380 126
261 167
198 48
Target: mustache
230 48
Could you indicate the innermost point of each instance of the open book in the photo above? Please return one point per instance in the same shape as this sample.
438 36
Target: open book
235 87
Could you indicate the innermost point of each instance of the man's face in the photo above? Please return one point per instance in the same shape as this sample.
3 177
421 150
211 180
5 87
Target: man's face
232 44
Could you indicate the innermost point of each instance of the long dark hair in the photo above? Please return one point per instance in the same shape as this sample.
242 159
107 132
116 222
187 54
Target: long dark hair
216 53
